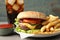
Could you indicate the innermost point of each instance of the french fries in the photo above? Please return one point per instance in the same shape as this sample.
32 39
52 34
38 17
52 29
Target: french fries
45 22
51 29
57 30
52 24
57 26
52 18
43 29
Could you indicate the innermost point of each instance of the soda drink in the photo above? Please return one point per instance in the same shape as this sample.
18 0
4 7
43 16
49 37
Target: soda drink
14 7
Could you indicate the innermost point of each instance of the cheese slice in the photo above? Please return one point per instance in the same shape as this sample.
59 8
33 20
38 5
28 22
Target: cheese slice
28 25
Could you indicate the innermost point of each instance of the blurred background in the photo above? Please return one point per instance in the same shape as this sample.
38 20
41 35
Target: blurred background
46 6
3 14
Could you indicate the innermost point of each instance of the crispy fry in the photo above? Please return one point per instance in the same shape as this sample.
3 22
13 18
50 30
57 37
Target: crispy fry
51 29
48 26
52 23
45 22
43 29
56 30
55 22
52 18
57 26
47 29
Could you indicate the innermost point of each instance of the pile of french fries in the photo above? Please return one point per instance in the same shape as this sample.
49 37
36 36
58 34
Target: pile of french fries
52 24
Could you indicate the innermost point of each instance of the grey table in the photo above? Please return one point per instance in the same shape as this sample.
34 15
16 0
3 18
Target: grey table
13 37
17 37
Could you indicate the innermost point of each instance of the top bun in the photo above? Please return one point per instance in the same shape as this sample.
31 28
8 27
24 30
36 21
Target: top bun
31 14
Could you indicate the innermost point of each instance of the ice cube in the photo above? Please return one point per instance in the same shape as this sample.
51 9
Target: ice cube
15 7
20 1
11 2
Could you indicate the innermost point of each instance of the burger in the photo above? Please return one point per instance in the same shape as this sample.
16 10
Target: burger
29 21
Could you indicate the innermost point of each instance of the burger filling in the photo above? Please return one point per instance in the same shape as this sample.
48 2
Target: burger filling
28 24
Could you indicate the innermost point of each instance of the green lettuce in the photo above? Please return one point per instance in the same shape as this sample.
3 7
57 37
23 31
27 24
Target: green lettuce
26 31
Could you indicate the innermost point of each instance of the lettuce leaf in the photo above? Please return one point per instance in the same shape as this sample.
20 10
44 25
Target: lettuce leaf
26 31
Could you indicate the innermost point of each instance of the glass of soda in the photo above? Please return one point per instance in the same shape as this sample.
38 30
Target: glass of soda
14 7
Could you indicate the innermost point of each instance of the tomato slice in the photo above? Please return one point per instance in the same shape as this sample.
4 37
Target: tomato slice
6 25
32 21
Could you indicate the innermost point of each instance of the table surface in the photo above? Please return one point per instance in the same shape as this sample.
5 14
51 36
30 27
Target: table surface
17 37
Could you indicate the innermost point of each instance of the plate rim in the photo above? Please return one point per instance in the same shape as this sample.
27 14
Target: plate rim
39 35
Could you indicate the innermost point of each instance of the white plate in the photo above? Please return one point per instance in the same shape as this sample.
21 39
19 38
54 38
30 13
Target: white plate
25 35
